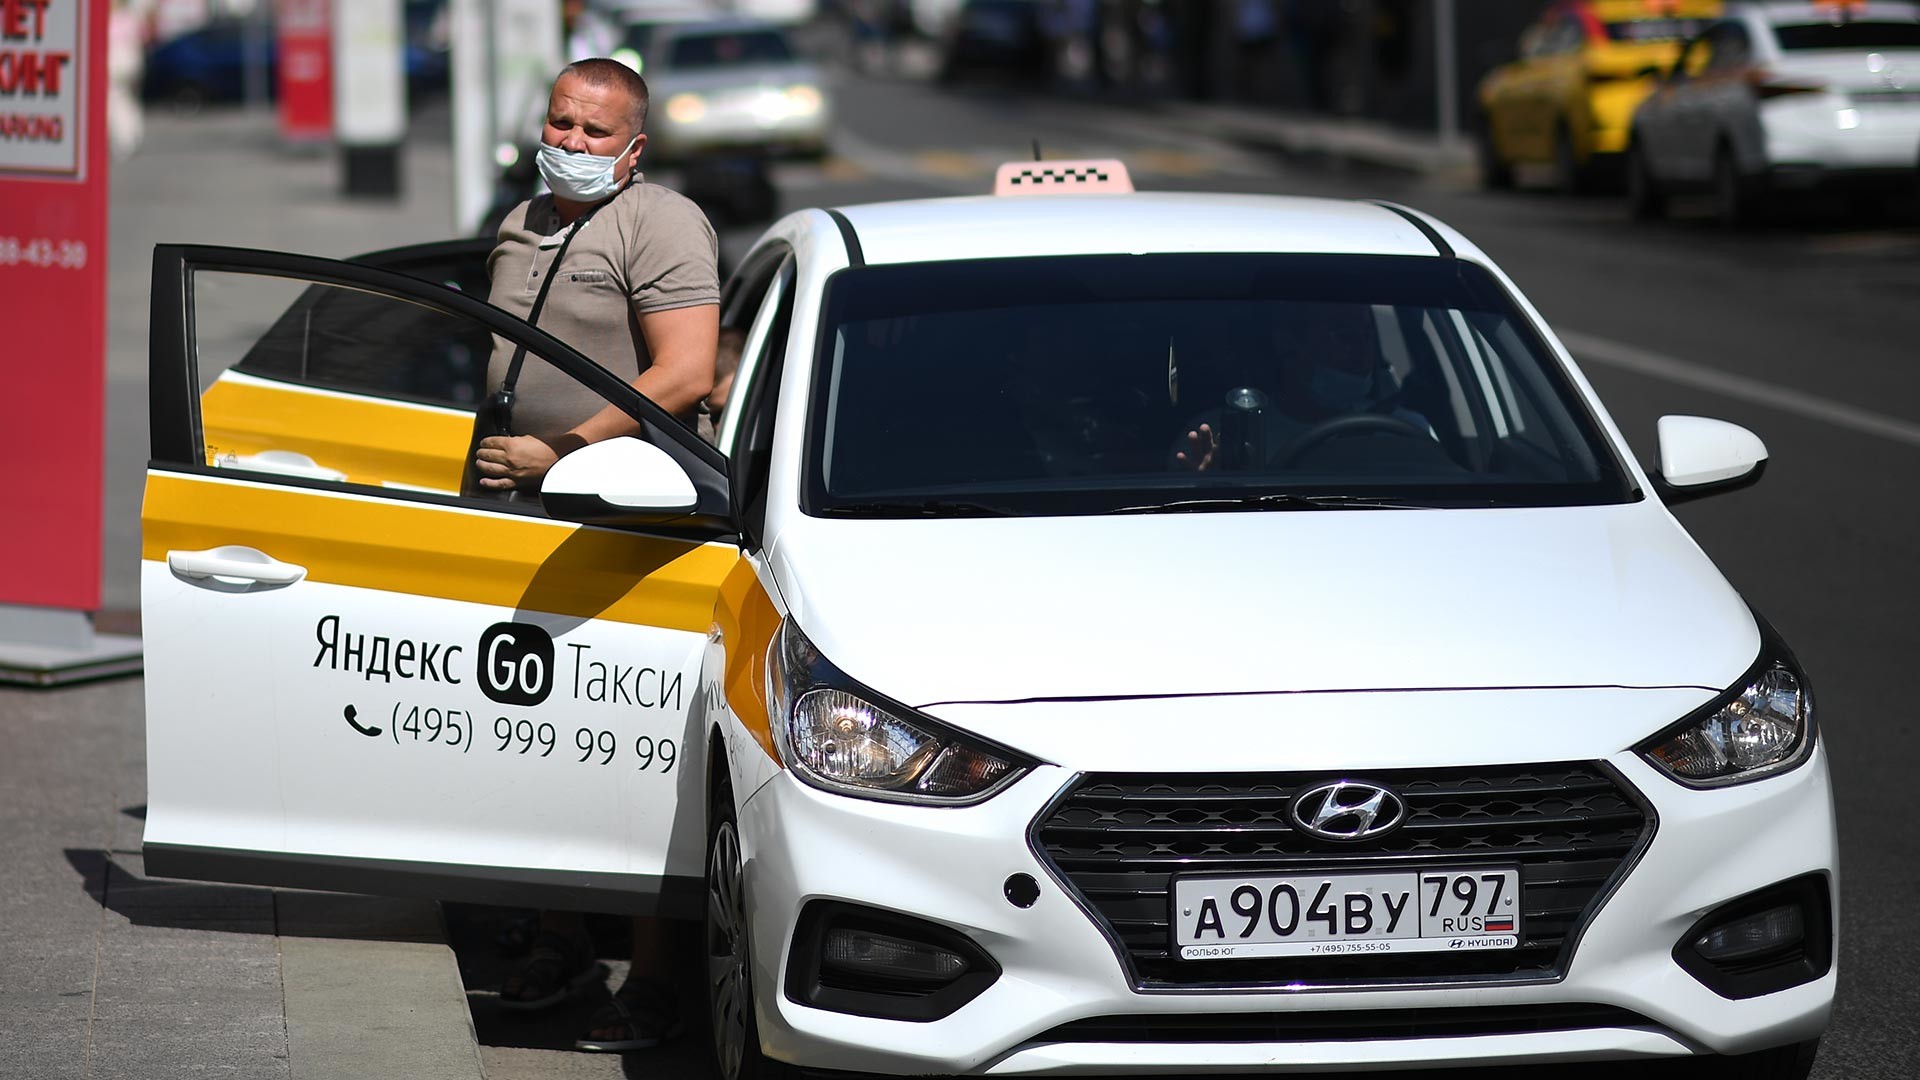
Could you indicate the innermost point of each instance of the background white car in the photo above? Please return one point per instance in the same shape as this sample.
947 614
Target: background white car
725 85
1779 98
1130 633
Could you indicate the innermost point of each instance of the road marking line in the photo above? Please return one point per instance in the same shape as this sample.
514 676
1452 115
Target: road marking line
1590 349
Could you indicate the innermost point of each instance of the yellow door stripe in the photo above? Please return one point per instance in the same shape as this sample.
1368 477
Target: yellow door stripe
395 545
747 620
371 440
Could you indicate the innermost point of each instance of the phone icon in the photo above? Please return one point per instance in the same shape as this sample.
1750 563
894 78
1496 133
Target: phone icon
369 732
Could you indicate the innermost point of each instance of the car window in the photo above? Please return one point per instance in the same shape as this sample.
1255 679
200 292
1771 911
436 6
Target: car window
341 387
363 343
725 49
1070 385
1849 35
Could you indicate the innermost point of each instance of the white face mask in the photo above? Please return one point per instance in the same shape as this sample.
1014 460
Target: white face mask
583 178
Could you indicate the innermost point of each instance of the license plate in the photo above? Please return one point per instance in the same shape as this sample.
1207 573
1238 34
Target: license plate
1333 914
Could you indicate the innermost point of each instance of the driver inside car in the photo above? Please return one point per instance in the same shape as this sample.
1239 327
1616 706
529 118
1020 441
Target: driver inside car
1320 377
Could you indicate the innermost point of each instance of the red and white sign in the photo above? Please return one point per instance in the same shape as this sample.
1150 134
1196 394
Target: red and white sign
53 249
306 69
40 86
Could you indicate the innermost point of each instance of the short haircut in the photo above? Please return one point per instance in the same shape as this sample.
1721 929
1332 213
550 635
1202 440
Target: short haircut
600 71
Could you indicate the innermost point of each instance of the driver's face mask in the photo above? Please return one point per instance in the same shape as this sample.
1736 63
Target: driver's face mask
581 178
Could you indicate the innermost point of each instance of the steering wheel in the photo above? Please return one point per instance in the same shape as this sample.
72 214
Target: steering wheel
1351 424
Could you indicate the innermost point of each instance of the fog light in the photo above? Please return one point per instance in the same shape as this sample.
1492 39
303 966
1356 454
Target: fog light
1770 931
865 952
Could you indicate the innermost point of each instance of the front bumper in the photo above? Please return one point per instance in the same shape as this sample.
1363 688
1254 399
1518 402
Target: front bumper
949 865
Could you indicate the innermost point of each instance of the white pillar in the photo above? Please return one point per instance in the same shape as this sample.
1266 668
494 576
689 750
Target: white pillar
369 94
1446 68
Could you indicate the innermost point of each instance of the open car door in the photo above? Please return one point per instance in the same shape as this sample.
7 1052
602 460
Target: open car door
359 683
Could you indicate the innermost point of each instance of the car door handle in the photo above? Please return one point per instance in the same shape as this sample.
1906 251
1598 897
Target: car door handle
234 565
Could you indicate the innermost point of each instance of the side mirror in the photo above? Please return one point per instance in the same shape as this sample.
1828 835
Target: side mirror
621 481
1701 457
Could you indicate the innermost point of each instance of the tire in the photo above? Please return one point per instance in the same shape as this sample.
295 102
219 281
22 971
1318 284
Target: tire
736 1033
1645 200
1793 1062
1571 177
1737 200
1496 173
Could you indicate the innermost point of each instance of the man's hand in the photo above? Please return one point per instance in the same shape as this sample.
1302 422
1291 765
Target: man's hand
505 462
1202 446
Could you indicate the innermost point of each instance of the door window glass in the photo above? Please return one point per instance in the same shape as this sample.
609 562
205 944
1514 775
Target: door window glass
327 383
343 339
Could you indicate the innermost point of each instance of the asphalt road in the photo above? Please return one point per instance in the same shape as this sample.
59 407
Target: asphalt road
1803 331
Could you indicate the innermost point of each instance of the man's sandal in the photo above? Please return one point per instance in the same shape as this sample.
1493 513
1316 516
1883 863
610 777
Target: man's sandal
555 970
637 1017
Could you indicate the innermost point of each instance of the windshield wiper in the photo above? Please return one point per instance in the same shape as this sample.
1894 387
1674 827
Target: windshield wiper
931 508
1273 500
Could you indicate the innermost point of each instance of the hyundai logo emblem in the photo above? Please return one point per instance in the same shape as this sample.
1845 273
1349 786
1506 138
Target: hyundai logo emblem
1348 810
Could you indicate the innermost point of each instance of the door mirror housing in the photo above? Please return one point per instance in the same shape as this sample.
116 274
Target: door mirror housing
1701 457
621 481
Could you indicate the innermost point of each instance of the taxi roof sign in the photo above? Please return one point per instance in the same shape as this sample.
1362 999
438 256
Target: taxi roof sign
1090 176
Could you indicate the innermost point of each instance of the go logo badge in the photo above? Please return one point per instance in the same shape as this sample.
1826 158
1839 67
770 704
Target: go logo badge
516 663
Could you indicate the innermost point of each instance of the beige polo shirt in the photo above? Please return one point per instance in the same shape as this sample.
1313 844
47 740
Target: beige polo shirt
647 250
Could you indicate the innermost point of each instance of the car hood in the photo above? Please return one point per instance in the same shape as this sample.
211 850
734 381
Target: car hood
1013 609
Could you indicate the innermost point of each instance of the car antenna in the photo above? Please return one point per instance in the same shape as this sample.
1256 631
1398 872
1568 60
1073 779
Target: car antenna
1036 149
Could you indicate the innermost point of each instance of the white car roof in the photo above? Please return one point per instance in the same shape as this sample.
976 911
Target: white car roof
983 227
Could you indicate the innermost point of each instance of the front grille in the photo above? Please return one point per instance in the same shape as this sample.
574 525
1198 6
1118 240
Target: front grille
1117 840
1337 1026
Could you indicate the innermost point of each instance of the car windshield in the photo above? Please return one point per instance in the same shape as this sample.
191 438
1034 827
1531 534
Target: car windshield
1099 384
1850 35
722 50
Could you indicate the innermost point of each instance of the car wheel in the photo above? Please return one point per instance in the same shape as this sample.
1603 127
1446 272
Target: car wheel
1568 174
1645 200
1496 174
736 1034
1793 1062
1737 199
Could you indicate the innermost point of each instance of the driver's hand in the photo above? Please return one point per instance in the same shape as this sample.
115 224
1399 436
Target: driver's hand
505 462
1203 446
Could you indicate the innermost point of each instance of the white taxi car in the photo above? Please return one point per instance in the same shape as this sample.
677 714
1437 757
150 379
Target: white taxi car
1126 633
1781 98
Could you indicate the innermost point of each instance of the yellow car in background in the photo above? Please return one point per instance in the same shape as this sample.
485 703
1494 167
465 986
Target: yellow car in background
1568 101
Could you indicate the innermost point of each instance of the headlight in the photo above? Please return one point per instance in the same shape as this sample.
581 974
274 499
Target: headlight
803 100
837 735
1763 728
686 108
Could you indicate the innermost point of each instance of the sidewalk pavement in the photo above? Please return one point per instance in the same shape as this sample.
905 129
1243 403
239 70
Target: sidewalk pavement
103 971
1347 140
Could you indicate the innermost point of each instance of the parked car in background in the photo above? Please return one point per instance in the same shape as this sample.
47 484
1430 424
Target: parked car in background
1568 100
210 65
1780 99
726 86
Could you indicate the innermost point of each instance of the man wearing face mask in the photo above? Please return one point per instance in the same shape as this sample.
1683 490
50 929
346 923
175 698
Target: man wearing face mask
636 286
